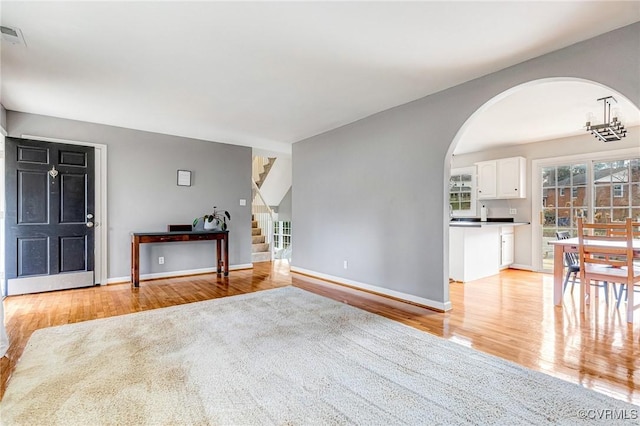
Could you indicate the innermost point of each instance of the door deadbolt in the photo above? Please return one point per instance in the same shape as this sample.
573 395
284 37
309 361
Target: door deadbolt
89 216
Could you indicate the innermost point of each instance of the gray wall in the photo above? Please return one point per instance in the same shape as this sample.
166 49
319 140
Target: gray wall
373 192
284 209
3 117
143 195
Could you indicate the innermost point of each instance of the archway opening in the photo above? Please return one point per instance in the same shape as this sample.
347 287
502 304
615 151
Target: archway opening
540 119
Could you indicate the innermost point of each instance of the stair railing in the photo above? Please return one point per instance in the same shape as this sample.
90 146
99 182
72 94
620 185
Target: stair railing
263 214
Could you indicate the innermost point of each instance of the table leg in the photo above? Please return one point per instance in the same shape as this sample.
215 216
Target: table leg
135 262
226 255
558 269
219 255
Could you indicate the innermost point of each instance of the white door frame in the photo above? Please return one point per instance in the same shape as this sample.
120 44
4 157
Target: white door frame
2 212
536 190
101 225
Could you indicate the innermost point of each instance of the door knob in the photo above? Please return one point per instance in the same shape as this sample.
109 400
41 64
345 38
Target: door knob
89 224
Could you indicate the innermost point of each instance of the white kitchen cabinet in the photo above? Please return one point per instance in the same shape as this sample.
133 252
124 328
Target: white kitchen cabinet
479 251
487 178
501 179
507 246
474 253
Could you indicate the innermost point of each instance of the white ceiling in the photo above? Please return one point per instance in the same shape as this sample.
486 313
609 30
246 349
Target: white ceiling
267 74
543 111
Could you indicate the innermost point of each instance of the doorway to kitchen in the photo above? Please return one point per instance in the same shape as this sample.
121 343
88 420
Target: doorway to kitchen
563 162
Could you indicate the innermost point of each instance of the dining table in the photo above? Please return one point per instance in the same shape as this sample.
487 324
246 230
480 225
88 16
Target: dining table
560 247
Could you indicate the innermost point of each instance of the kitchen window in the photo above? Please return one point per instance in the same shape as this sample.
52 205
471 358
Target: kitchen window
462 191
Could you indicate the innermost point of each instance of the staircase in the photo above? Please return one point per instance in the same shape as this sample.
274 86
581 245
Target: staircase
262 216
262 169
260 250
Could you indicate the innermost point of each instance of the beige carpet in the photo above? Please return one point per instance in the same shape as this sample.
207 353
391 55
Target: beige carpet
283 357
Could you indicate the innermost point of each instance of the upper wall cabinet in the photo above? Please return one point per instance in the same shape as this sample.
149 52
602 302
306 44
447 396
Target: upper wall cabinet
500 179
487 179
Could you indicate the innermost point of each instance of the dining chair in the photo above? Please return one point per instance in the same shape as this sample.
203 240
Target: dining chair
571 262
606 254
635 230
635 227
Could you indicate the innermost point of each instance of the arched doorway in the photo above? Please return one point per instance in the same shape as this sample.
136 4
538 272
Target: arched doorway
540 119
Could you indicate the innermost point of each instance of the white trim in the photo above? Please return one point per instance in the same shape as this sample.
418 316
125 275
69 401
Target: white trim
241 266
384 291
101 246
2 216
171 274
536 190
38 284
521 267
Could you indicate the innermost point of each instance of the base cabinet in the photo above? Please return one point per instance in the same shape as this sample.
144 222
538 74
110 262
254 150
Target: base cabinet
506 246
474 253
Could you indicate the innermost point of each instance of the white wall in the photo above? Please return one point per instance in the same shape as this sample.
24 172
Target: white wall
374 193
278 181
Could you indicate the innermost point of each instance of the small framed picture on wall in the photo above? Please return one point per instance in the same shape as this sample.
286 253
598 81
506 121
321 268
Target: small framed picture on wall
184 178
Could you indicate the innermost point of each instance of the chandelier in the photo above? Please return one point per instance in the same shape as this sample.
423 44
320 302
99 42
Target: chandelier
611 129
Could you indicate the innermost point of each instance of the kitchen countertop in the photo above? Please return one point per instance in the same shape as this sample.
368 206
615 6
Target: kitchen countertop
473 222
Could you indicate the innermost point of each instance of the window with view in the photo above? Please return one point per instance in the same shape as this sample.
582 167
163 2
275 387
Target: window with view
462 188
601 191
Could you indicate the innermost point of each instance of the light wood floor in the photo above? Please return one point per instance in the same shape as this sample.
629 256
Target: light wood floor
511 316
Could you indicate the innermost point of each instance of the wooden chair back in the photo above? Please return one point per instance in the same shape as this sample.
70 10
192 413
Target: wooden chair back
606 254
594 241
635 230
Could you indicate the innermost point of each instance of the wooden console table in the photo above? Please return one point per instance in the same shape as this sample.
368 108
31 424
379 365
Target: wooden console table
138 238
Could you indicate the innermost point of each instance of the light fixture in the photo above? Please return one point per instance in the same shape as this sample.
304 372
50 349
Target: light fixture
611 129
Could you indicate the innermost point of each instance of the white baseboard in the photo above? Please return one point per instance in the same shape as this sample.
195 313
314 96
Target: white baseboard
523 267
241 266
375 289
178 273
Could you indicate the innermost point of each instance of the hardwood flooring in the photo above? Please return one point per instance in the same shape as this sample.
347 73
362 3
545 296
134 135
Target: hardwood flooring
510 315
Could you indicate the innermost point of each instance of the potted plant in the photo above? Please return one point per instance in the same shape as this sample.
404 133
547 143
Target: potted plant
215 220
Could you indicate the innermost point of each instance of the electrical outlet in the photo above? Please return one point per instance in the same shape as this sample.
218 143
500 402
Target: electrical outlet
513 211
345 264
161 260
